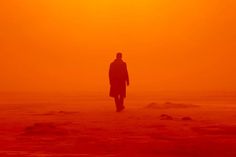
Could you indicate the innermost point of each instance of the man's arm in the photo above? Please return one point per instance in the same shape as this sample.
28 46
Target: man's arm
127 75
110 74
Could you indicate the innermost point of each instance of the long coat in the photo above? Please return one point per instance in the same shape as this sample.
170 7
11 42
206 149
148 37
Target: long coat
118 76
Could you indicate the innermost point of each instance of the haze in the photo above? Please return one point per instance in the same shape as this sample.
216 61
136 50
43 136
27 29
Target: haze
68 45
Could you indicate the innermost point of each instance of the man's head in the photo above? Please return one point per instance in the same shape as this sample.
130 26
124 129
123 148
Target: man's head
119 55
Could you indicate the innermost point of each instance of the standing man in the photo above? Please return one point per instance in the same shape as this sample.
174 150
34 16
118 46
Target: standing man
119 78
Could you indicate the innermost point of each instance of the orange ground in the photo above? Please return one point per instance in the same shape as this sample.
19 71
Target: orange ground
66 126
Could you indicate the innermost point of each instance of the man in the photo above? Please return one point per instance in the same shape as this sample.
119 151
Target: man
119 78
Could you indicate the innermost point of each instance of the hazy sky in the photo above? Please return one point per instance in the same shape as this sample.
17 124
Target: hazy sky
67 45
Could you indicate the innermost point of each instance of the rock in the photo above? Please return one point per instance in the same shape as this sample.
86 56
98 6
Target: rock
166 117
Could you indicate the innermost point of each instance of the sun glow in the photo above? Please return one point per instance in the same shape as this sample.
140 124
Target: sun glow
63 44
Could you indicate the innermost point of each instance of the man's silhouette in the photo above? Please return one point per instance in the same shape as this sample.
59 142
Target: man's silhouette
119 78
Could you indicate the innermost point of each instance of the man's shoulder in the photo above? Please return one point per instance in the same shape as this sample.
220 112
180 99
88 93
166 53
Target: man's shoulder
118 62
112 63
124 63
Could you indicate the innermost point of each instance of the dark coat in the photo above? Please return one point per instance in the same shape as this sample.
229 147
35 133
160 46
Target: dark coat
118 76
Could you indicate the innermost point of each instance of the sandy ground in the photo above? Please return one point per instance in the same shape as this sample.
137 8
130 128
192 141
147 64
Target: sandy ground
56 126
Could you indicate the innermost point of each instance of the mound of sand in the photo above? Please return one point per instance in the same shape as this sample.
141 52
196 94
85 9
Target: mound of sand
216 130
186 119
169 105
54 113
45 129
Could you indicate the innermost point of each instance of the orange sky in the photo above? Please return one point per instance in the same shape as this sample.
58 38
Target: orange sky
67 45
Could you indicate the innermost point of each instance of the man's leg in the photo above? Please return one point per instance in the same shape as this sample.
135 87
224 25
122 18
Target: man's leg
117 102
122 103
